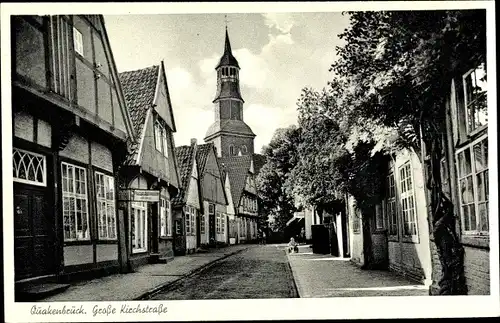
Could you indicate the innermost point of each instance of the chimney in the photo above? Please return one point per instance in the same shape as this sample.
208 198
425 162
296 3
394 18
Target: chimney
193 141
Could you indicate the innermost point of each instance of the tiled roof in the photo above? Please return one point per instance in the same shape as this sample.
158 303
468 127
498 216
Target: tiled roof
139 88
202 155
228 125
237 168
184 158
258 162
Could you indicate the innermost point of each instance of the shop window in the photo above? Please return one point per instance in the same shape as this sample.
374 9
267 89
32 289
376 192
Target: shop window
29 168
139 227
106 213
75 203
473 181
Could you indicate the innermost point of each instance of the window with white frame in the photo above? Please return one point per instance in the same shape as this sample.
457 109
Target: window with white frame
194 212
202 223
222 222
78 41
391 213
407 200
356 220
158 136
165 142
217 223
28 167
139 227
75 203
475 95
106 213
165 217
188 219
379 219
473 183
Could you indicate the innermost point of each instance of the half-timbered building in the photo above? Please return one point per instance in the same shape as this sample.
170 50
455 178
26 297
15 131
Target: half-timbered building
149 175
70 132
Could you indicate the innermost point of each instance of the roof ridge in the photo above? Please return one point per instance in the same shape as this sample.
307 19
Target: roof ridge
139 69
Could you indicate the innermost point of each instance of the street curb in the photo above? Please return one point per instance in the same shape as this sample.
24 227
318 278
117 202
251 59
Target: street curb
294 276
147 295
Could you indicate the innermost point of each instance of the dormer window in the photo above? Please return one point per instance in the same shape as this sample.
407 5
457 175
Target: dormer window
161 140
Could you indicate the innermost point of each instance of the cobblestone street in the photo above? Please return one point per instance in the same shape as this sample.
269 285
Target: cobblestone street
259 272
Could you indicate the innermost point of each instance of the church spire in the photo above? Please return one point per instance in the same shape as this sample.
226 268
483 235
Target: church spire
227 58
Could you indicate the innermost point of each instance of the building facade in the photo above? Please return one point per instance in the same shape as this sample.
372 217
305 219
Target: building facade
465 176
399 229
149 177
70 132
187 204
213 220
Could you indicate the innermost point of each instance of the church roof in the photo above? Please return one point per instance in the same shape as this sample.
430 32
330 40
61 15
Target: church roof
228 90
237 167
230 126
227 58
258 162
184 157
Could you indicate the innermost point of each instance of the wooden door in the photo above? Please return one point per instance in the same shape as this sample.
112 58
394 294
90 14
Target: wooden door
34 232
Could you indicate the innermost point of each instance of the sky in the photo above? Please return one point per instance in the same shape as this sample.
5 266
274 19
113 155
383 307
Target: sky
278 53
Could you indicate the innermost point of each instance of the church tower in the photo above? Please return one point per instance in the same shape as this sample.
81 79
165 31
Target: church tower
229 133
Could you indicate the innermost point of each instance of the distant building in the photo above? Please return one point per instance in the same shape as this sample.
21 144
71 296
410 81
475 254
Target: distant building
213 220
187 205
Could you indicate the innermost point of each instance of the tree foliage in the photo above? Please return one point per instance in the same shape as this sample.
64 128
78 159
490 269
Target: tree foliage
281 154
397 67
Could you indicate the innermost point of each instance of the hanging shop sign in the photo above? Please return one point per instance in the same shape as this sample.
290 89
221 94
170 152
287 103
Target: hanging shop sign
137 195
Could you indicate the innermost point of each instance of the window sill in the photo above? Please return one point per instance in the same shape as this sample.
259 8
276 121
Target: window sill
78 243
166 237
478 241
411 239
107 241
477 132
139 252
393 238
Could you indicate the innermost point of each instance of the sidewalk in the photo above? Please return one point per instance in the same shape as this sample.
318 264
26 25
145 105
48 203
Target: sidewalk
327 276
145 280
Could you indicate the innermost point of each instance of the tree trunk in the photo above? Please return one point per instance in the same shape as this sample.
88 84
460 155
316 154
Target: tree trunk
368 262
449 248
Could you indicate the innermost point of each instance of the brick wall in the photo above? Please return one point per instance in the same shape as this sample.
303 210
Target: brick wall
477 270
237 142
